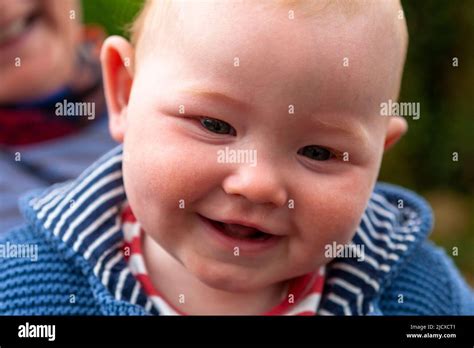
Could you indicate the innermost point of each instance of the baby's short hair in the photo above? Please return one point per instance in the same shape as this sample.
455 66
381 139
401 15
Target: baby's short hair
158 14
137 26
304 7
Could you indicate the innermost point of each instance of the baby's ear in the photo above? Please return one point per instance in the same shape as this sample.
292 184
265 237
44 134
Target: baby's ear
396 127
116 58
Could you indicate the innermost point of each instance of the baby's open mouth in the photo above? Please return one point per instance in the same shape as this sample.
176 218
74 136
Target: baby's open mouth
239 231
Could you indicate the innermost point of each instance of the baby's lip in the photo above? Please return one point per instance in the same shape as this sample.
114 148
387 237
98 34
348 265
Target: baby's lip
245 223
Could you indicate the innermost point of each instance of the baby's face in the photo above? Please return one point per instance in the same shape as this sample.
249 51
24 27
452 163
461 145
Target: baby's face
37 46
315 167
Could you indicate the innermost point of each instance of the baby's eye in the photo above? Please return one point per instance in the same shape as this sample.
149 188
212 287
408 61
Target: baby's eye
315 152
217 126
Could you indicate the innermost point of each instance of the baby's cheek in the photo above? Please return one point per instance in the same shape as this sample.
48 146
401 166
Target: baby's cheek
167 176
328 218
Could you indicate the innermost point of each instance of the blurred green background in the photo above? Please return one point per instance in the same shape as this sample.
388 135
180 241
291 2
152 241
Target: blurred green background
423 160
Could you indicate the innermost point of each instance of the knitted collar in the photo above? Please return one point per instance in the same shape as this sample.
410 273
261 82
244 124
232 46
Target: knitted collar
83 216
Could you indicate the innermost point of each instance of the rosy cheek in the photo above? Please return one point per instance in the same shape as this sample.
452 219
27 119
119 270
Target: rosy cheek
333 211
176 175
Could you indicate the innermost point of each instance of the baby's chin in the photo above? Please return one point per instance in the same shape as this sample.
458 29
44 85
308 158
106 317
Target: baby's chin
231 278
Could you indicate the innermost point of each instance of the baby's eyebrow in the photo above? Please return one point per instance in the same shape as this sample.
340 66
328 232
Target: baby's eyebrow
216 96
352 130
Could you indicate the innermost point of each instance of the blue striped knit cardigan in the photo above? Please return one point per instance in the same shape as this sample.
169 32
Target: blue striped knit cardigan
80 268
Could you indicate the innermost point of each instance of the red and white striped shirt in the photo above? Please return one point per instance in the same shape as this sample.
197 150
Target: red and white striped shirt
302 298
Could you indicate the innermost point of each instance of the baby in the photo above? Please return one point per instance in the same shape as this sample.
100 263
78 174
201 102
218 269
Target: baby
252 140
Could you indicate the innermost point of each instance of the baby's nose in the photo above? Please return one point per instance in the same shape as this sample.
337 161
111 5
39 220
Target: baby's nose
260 184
